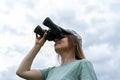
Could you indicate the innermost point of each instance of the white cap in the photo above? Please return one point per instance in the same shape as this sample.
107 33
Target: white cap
68 31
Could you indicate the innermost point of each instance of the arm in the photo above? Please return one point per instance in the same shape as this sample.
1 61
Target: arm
24 69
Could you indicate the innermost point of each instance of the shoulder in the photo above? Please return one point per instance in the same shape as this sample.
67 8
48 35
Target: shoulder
86 70
46 71
83 61
85 66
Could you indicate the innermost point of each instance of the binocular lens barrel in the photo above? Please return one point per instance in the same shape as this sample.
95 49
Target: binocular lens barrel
54 31
39 30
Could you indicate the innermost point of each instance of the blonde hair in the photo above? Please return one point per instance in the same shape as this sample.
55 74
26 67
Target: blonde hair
76 46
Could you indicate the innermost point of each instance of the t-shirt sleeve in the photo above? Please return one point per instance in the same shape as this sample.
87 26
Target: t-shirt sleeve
87 71
45 72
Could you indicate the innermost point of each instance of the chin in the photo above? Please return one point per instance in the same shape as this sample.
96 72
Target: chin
58 49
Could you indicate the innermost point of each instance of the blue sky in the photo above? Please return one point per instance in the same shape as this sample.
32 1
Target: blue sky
97 21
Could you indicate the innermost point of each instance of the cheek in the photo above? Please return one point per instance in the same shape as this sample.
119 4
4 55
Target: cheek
63 45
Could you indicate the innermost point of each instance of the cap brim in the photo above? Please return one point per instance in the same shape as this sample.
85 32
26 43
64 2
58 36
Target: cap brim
65 31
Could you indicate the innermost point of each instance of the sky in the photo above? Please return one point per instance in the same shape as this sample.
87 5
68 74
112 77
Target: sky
97 21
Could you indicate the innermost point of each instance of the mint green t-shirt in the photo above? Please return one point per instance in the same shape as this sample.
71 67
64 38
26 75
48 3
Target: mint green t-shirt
76 70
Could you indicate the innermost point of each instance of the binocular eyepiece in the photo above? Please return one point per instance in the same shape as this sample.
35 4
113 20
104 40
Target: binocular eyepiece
54 32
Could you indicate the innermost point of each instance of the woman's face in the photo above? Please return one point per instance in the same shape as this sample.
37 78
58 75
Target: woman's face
61 44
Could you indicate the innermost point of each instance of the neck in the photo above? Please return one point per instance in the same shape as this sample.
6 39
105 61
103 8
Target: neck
67 57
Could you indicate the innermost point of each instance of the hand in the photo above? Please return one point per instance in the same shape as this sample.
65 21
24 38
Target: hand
40 40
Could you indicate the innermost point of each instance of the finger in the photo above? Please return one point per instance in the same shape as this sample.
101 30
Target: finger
38 36
45 34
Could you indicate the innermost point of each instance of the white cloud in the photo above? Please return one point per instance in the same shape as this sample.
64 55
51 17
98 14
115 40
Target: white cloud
105 60
97 21
8 58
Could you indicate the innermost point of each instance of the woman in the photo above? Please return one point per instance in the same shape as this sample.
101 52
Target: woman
73 66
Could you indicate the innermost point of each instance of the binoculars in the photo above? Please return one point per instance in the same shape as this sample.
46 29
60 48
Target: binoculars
54 31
